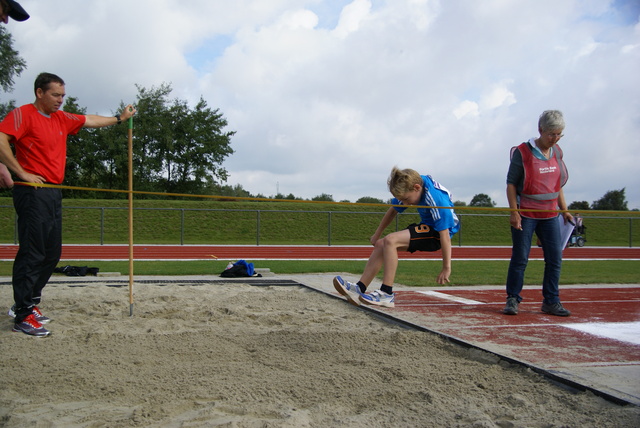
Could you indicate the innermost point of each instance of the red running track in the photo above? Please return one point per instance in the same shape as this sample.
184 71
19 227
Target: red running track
284 252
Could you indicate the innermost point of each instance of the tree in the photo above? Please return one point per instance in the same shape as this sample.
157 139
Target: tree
96 158
228 190
76 147
176 149
482 200
180 148
5 108
578 206
198 147
323 197
369 200
612 200
459 204
12 64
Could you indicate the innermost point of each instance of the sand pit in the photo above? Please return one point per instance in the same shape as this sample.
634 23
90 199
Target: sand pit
237 355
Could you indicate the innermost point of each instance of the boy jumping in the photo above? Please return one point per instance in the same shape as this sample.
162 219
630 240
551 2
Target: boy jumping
433 233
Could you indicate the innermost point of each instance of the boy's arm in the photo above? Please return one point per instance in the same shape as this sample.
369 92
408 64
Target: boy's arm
386 221
445 242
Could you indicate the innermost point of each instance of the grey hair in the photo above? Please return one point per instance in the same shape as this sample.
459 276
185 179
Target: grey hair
550 120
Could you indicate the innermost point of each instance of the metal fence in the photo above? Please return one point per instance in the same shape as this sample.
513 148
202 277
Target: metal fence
183 226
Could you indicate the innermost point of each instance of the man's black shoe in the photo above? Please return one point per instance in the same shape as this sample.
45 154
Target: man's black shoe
512 306
555 309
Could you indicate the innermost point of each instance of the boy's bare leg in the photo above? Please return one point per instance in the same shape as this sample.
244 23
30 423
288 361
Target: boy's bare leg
385 253
374 264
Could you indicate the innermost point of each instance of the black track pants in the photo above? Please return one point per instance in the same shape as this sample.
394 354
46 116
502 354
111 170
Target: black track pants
40 235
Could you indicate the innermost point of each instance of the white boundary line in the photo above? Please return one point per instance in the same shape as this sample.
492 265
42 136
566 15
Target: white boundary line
456 299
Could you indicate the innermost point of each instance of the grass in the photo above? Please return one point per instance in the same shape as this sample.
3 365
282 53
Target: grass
410 272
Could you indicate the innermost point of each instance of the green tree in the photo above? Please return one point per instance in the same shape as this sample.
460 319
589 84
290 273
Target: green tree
96 158
459 204
199 147
578 206
178 149
76 146
612 200
482 200
5 108
11 64
323 197
369 200
228 190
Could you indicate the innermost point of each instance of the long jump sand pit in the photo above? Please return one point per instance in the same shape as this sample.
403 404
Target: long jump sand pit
239 355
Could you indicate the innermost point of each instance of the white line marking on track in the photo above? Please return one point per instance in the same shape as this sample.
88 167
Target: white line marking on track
450 297
624 331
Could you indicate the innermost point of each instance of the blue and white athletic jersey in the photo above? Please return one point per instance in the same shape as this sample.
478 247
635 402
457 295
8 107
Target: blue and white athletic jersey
435 195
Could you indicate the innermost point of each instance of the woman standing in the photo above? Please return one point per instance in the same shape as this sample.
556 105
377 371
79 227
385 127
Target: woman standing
534 182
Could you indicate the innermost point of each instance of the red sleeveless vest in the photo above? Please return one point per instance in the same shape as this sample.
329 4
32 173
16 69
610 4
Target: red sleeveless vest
543 180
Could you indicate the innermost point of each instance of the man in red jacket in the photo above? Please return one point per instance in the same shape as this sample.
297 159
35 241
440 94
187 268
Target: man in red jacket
38 133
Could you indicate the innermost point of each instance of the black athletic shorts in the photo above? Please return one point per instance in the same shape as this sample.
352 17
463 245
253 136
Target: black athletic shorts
423 238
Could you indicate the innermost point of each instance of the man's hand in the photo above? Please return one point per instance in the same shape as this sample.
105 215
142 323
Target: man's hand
128 112
6 182
31 178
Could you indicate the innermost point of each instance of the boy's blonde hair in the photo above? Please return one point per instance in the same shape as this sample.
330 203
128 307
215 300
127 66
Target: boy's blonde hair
402 181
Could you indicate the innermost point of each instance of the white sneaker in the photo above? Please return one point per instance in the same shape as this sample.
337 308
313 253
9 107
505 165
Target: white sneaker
379 298
348 289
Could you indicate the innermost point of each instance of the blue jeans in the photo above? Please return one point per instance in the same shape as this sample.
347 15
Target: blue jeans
549 233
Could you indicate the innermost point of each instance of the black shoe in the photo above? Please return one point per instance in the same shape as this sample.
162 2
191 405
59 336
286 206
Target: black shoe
555 309
512 306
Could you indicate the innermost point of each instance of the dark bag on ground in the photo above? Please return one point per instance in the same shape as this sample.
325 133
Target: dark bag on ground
77 270
239 269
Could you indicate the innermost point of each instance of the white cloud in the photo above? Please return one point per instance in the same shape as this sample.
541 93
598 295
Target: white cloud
498 96
351 17
466 108
327 96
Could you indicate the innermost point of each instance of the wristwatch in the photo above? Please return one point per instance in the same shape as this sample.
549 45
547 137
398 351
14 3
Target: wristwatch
117 116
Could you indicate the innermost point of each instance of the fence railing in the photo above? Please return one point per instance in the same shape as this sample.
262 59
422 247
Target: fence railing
183 226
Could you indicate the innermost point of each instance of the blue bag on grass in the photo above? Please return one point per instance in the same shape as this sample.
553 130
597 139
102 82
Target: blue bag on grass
239 269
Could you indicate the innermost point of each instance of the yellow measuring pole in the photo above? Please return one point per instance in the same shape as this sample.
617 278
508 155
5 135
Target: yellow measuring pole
130 149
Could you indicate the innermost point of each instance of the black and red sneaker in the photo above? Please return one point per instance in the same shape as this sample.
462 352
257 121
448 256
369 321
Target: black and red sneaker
31 326
39 317
35 311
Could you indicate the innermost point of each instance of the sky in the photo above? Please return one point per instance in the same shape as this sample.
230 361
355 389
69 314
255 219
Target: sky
327 96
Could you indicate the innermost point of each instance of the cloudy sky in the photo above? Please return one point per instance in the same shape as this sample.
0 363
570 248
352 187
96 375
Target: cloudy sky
326 96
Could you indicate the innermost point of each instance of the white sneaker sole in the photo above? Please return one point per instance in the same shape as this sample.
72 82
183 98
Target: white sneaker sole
340 289
374 303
